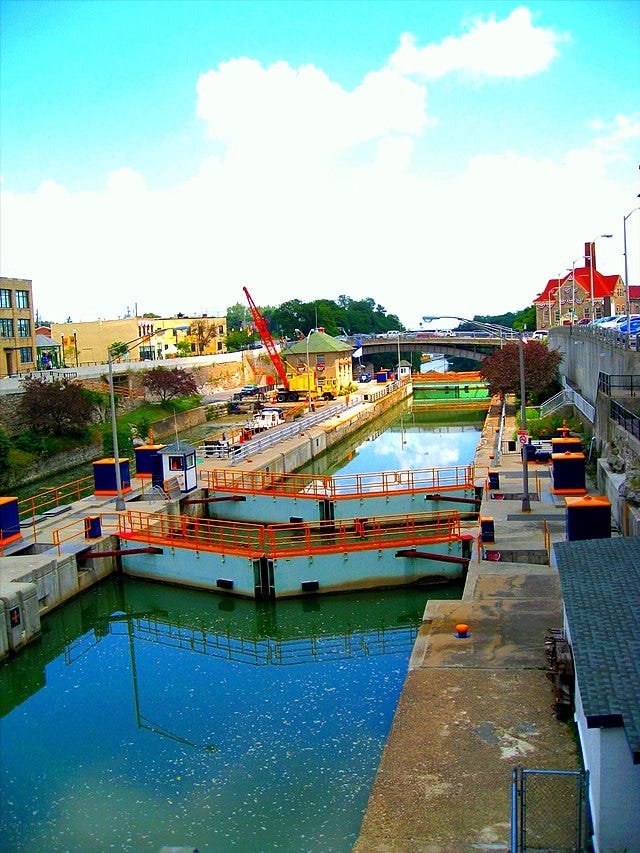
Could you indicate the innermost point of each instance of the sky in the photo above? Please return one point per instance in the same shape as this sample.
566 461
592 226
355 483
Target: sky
440 158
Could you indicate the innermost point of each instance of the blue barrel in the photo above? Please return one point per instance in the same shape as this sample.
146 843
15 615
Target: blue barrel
92 527
487 530
494 480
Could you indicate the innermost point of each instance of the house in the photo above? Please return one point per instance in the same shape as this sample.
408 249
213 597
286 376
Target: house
634 298
582 294
17 337
600 582
327 359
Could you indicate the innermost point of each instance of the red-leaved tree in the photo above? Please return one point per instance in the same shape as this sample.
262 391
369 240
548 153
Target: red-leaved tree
502 369
167 383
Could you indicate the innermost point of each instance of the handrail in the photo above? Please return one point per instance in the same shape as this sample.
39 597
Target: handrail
338 487
450 376
51 498
291 539
78 528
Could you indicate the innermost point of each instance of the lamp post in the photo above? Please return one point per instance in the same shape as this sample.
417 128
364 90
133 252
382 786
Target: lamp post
592 248
498 329
75 345
120 504
626 275
398 368
552 292
526 502
573 288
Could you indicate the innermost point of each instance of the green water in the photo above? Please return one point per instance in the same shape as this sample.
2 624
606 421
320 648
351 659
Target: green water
150 715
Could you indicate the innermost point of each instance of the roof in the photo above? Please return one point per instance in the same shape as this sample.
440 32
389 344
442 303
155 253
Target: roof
319 342
46 341
600 580
603 285
177 447
634 291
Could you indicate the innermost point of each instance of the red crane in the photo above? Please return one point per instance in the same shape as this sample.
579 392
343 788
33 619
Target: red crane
267 340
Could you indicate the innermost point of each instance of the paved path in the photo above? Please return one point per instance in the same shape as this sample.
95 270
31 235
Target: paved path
471 709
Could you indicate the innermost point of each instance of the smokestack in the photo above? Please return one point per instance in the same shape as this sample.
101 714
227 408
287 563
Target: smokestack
590 254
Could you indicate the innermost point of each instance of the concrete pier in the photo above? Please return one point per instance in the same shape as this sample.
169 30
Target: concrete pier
471 709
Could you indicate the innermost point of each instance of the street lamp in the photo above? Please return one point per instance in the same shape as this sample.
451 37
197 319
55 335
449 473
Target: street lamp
75 345
526 502
552 292
398 368
120 504
573 288
626 275
592 251
497 329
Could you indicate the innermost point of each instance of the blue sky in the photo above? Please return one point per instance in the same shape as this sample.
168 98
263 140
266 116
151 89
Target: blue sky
440 157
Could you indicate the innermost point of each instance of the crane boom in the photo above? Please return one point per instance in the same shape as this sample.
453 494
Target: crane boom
267 340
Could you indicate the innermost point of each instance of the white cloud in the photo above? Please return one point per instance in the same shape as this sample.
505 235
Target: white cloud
315 194
513 47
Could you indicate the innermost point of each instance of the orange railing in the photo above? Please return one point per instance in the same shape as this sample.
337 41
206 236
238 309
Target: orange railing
78 528
51 498
335 488
287 540
451 377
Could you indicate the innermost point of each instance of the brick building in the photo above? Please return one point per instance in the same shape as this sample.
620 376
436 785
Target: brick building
17 340
568 299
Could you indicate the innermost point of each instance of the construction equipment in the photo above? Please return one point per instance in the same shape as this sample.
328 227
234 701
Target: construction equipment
293 388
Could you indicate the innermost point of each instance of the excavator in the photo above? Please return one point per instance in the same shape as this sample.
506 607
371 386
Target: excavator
293 388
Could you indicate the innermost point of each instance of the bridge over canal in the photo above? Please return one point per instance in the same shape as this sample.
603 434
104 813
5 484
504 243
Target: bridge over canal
474 347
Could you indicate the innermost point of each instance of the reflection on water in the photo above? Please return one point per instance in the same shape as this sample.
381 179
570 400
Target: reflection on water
404 440
149 715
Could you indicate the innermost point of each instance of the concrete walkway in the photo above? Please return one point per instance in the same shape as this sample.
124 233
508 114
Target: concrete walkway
471 709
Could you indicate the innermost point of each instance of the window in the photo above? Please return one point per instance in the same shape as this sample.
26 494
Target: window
24 328
175 463
26 355
6 328
5 298
22 298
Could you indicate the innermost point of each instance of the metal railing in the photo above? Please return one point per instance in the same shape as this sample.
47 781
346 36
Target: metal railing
610 383
626 419
341 486
290 539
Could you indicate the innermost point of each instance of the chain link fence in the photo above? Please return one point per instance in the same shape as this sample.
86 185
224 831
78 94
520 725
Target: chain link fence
549 811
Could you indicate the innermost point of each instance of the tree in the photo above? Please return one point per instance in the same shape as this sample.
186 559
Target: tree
238 340
118 349
203 331
168 383
183 348
57 408
238 316
502 368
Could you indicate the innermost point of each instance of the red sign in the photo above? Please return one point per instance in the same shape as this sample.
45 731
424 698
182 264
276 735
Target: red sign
523 436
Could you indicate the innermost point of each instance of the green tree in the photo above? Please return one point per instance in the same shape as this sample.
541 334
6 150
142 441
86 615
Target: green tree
238 340
238 316
118 349
167 383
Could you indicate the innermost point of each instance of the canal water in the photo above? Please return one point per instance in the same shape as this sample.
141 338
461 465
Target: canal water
149 715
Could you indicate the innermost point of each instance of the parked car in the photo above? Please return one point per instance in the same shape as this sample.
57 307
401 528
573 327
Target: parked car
249 390
633 327
540 335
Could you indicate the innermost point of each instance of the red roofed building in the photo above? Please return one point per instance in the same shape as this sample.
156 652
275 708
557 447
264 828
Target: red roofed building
567 299
634 298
